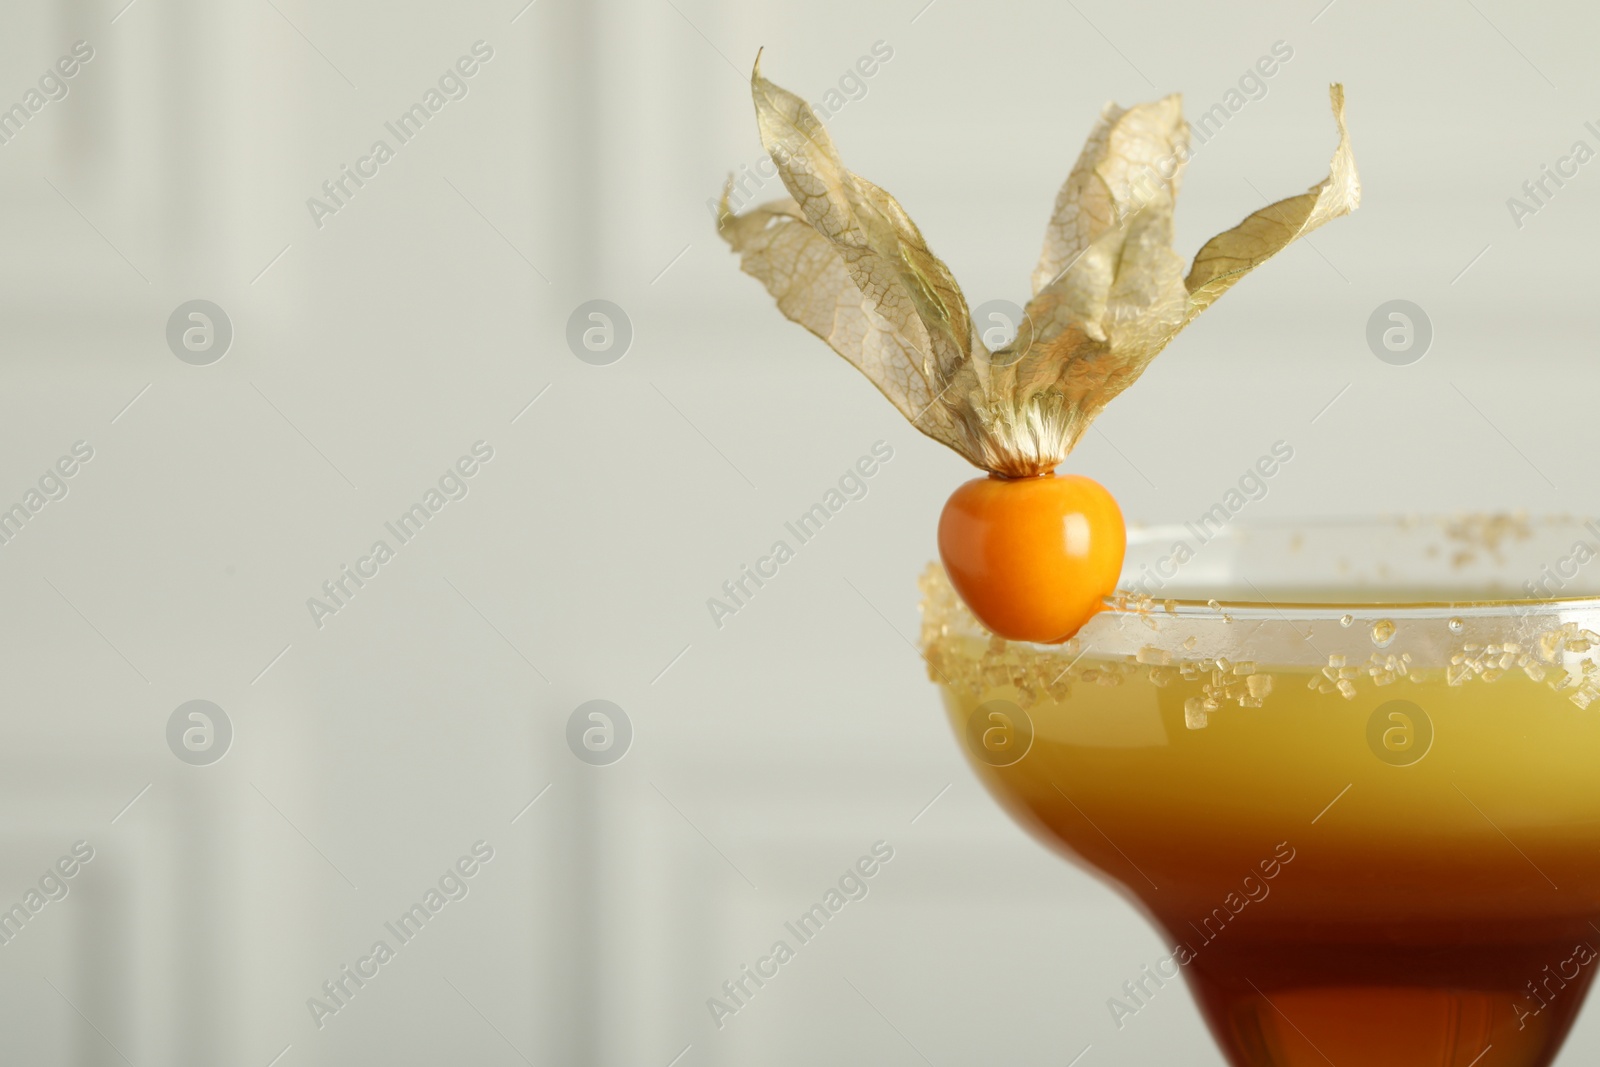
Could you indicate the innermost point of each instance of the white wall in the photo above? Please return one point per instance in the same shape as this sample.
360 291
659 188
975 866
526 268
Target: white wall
427 313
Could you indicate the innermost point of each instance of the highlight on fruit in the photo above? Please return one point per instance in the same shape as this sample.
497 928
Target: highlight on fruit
1033 555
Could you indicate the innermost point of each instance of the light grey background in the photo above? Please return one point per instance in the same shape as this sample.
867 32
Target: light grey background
371 352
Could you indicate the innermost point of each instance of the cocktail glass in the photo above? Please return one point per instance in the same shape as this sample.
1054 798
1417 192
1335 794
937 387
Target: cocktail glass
1350 770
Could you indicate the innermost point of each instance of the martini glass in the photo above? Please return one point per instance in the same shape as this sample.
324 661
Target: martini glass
1347 769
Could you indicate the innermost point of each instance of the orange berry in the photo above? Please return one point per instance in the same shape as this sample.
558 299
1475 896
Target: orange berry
1033 557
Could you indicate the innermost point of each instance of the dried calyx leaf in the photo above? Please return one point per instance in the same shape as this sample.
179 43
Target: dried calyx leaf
843 259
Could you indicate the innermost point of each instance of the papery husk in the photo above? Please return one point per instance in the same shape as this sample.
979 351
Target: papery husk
842 258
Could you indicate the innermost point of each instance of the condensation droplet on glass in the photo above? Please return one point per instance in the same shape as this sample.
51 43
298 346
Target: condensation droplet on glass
1346 620
1382 633
1456 625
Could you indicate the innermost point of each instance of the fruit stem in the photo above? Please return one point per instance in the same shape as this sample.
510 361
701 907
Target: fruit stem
997 476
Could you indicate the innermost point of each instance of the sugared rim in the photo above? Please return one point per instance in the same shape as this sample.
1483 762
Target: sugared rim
1237 650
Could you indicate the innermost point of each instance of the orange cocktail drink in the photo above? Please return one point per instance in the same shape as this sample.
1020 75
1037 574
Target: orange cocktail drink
1364 815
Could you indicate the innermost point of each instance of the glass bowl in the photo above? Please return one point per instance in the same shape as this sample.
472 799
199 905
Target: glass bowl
1348 770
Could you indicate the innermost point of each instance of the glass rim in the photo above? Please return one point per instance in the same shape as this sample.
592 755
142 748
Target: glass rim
1286 607
1339 644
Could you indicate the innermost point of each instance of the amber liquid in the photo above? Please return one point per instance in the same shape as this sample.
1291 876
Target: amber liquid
1440 912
